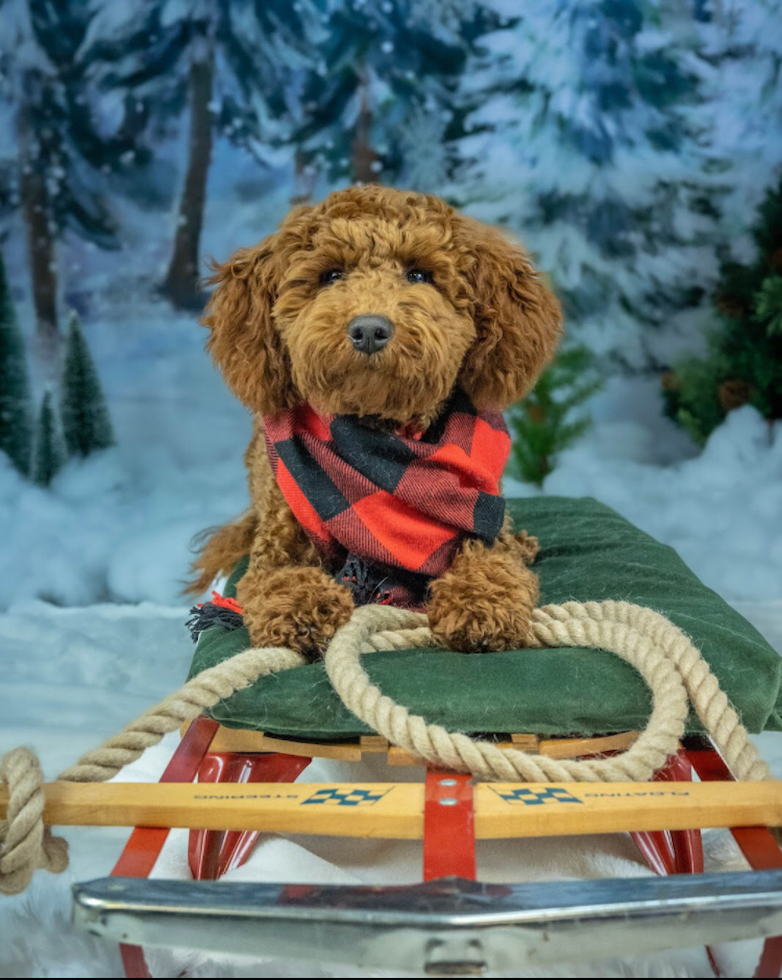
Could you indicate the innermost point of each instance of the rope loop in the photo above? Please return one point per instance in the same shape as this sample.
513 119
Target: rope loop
25 844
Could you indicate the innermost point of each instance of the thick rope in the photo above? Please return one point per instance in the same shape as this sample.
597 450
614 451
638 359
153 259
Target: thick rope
664 656
669 663
26 843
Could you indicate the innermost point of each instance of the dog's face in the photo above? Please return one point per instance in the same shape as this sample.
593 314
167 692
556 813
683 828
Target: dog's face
377 302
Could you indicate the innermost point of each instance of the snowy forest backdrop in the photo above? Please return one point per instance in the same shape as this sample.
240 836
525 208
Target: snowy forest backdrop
628 143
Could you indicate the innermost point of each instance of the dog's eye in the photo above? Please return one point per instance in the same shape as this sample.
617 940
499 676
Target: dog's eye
419 275
332 275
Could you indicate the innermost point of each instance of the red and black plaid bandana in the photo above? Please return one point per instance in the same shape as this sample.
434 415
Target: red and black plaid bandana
396 503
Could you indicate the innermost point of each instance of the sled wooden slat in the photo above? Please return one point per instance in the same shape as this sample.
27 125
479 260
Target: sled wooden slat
401 757
395 810
245 740
571 748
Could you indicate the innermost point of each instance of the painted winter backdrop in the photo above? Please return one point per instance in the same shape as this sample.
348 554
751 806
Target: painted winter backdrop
635 147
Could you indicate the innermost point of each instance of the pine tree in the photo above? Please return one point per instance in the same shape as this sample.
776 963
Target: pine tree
546 421
15 424
588 137
85 416
234 68
62 160
744 360
743 43
49 451
380 104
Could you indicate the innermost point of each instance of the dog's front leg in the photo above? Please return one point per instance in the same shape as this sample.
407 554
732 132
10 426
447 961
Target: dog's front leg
287 598
297 606
485 600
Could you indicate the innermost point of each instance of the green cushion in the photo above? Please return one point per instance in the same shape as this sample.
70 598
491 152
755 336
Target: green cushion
588 552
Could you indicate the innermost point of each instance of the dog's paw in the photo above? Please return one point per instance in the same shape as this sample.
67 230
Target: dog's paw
300 608
483 603
527 546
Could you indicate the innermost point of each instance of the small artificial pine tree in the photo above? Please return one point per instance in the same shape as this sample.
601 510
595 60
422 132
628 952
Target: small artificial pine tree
15 427
49 451
743 364
85 416
543 423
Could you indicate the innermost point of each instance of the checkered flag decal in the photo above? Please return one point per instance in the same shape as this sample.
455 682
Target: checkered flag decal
344 797
539 797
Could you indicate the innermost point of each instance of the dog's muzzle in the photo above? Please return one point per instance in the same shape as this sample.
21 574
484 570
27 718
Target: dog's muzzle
370 332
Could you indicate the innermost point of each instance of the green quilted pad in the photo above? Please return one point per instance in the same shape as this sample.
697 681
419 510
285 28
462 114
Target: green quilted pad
588 552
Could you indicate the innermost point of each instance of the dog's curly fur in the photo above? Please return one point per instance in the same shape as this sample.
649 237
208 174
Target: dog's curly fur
486 321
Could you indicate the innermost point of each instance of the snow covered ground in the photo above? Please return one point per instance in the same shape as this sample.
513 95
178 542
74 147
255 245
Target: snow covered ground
92 630
721 509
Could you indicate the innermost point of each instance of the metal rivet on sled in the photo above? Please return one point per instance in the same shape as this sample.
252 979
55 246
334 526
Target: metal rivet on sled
447 782
448 801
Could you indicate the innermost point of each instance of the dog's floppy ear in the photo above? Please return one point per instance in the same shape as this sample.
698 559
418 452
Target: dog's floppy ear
244 342
517 317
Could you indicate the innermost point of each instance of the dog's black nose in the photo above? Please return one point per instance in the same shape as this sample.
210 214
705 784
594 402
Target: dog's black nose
370 332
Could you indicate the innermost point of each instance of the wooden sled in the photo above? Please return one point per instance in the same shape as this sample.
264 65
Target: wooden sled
229 783
450 924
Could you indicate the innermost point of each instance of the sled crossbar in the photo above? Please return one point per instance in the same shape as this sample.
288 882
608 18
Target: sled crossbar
396 810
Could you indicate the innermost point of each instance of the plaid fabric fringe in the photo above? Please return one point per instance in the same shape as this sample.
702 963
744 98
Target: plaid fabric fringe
221 611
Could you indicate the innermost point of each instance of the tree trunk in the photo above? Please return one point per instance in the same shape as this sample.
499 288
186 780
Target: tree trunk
304 178
364 157
181 282
40 235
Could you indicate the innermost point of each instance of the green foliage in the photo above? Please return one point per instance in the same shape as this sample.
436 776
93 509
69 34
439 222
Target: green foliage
691 395
49 450
743 363
85 416
15 425
768 307
546 421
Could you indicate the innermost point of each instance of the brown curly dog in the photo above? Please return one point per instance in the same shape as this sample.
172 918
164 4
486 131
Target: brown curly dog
375 303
